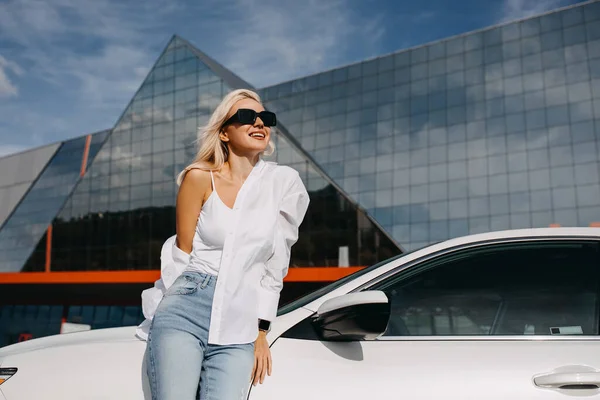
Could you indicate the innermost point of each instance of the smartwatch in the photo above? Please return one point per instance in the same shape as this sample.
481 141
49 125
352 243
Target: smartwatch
264 325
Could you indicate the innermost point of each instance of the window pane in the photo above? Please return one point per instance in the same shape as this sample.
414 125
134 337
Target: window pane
539 287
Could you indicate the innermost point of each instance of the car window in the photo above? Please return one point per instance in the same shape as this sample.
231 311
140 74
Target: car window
312 296
511 289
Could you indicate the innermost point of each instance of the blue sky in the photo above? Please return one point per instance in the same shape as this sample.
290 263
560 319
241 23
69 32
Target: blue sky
69 67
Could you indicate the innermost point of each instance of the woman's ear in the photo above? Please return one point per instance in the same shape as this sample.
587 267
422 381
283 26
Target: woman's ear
223 136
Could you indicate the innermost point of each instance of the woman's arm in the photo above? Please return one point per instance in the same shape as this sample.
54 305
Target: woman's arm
292 210
190 198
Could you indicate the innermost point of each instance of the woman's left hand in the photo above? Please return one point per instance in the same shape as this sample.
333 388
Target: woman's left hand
262 359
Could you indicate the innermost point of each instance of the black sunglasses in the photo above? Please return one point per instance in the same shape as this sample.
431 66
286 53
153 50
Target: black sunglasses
247 116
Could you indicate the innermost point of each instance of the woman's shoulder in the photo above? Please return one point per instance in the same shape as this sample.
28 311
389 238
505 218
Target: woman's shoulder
197 177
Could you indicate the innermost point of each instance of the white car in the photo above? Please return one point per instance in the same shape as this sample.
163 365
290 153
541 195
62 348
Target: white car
502 315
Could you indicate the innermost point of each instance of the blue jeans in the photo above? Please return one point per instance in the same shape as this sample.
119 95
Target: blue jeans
181 363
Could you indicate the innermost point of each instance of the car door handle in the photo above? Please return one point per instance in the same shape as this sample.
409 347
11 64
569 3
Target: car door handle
569 380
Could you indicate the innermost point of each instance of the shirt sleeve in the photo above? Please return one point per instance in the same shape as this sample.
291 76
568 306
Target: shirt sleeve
173 261
292 210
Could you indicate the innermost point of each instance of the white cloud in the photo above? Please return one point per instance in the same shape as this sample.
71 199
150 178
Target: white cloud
7 87
86 59
278 41
517 9
97 49
22 124
92 55
6 149
110 76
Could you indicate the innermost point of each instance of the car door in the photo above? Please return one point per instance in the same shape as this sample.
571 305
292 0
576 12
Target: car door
502 320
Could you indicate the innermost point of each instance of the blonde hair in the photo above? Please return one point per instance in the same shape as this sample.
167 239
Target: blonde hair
213 153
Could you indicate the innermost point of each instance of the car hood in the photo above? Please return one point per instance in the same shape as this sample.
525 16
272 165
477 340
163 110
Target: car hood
69 339
125 334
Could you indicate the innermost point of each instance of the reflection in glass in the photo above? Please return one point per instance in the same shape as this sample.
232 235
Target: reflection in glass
497 113
118 217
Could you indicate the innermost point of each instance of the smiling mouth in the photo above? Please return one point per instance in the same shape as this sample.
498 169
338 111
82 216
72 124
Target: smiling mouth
257 135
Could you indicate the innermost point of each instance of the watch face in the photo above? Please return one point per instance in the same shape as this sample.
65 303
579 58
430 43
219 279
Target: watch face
264 325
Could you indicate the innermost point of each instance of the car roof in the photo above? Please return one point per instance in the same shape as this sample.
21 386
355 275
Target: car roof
520 233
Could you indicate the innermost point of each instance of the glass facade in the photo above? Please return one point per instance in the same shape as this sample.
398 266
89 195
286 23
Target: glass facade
123 209
495 129
23 230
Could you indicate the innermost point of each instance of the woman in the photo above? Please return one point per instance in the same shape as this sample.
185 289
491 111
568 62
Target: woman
237 218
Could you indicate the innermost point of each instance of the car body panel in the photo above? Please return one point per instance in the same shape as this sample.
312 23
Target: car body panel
69 339
91 364
100 364
419 369
100 370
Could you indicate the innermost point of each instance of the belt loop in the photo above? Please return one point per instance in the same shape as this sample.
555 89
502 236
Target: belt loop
205 281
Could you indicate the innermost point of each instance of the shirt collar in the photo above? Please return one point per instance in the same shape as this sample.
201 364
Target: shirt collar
259 165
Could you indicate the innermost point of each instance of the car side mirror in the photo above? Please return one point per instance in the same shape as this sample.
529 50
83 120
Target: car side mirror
353 316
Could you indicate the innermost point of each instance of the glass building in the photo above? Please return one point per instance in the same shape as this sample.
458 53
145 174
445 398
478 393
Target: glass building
490 130
496 129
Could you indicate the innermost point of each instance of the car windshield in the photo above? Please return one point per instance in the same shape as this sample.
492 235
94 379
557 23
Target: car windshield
304 300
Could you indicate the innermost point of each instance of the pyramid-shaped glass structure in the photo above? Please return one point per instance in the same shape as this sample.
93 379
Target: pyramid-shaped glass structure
123 209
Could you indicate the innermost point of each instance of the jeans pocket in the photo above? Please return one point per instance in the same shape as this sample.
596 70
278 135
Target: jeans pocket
183 285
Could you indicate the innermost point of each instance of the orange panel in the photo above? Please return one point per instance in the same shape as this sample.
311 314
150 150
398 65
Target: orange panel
554 225
308 274
86 153
315 274
595 224
79 277
48 248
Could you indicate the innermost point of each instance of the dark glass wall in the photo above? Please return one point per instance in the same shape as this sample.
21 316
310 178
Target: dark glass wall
490 130
23 322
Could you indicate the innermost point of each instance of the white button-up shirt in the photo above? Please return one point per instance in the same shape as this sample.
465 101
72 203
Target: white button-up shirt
268 211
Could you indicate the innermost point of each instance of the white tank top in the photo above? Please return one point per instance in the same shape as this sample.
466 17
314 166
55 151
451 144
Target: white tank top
207 247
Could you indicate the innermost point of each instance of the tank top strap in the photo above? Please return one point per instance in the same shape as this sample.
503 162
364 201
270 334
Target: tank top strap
212 178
